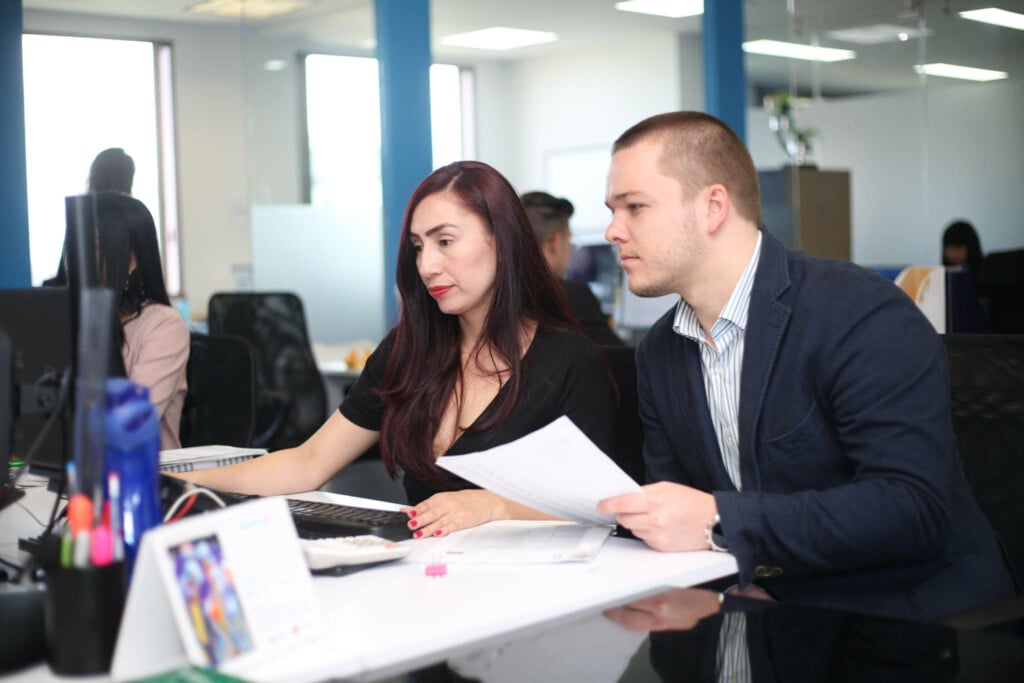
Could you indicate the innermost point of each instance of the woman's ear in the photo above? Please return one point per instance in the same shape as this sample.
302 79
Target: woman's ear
132 263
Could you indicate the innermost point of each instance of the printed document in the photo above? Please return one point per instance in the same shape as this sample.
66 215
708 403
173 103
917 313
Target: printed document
555 469
523 542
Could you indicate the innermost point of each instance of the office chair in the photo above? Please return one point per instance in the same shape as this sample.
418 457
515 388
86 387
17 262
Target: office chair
629 435
291 402
987 389
220 406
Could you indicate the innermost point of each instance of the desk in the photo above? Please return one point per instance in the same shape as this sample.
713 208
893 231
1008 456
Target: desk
394 617
393 624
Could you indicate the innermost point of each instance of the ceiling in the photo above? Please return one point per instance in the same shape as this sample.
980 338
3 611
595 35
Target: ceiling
347 25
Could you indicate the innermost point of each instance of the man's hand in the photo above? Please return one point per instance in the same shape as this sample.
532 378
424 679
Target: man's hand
668 517
676 610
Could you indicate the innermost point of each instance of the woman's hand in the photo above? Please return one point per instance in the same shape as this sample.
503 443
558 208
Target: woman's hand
450 511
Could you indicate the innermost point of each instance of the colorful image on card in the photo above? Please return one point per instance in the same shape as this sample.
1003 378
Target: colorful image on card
211 599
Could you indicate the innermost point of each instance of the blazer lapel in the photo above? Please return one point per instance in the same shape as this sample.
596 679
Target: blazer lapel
766 322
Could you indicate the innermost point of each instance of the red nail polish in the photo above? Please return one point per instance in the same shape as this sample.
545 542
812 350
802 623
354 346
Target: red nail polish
412 513
417 534
438 532
412 524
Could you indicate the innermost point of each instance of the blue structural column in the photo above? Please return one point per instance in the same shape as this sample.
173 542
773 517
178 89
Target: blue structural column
403 52
15 265
725 77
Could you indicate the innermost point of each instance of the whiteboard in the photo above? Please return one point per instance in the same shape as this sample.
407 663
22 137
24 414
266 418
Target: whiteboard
332 257
580 175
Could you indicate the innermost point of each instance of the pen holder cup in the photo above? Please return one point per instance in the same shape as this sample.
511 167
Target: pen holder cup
82 609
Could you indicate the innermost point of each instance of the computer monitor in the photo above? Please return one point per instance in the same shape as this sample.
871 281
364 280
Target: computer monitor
597 264
37 324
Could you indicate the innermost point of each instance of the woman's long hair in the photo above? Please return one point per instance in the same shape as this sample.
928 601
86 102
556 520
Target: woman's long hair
423 366
125 227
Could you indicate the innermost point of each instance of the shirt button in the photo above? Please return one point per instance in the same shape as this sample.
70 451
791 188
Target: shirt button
762 572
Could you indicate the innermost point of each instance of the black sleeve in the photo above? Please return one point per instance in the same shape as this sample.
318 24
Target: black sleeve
362 405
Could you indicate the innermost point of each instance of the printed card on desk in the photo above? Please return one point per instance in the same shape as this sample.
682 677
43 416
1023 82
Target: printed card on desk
555 469
227 590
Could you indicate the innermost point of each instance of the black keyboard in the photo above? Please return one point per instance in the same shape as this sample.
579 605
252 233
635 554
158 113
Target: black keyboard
312 519
324 520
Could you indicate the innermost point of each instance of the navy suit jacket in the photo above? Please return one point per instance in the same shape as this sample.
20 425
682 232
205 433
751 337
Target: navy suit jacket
853 493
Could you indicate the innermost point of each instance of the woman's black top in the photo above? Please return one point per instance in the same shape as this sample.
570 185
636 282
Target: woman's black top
562 375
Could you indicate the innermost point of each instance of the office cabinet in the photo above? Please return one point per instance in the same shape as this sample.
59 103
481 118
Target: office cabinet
808 209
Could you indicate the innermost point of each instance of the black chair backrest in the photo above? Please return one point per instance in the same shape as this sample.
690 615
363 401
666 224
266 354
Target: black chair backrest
629 435
220 406
291 402
987 385
1002 285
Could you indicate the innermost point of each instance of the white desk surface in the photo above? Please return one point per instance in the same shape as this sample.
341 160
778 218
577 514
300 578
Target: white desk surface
394 617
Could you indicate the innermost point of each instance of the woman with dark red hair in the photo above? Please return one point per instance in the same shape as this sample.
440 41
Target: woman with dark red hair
484 351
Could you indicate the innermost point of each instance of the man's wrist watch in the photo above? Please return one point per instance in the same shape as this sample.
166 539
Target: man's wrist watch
714 536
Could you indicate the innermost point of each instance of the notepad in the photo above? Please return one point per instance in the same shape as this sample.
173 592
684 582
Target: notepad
203 457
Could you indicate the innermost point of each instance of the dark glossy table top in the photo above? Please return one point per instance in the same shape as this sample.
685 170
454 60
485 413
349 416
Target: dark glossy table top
684 635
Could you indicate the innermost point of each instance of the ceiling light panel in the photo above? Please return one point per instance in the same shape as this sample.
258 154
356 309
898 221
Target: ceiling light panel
499 38
994 15
663 8
813 53
878 34
250 9
966 73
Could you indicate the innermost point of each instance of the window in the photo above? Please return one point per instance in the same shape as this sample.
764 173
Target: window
84 95
343 124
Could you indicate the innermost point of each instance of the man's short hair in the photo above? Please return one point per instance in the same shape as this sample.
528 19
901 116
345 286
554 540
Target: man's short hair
548 214
700 150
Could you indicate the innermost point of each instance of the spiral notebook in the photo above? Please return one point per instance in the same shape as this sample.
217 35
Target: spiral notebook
202 457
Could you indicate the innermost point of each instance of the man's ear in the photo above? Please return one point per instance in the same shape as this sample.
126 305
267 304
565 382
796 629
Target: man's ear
716 204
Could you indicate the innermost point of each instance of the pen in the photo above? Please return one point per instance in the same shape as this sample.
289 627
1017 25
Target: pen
66 548
101 546
80 521
114 497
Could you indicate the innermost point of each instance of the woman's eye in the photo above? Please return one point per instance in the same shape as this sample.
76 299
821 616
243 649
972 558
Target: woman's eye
445 241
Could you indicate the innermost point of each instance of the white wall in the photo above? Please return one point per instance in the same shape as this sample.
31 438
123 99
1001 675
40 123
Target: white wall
918 161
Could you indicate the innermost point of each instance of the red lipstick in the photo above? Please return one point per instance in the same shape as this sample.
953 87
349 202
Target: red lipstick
438 292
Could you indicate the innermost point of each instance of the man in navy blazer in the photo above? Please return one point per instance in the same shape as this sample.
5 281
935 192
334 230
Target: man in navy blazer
796 410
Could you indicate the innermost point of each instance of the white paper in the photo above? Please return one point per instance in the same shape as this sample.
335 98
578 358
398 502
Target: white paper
556 470
525 542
